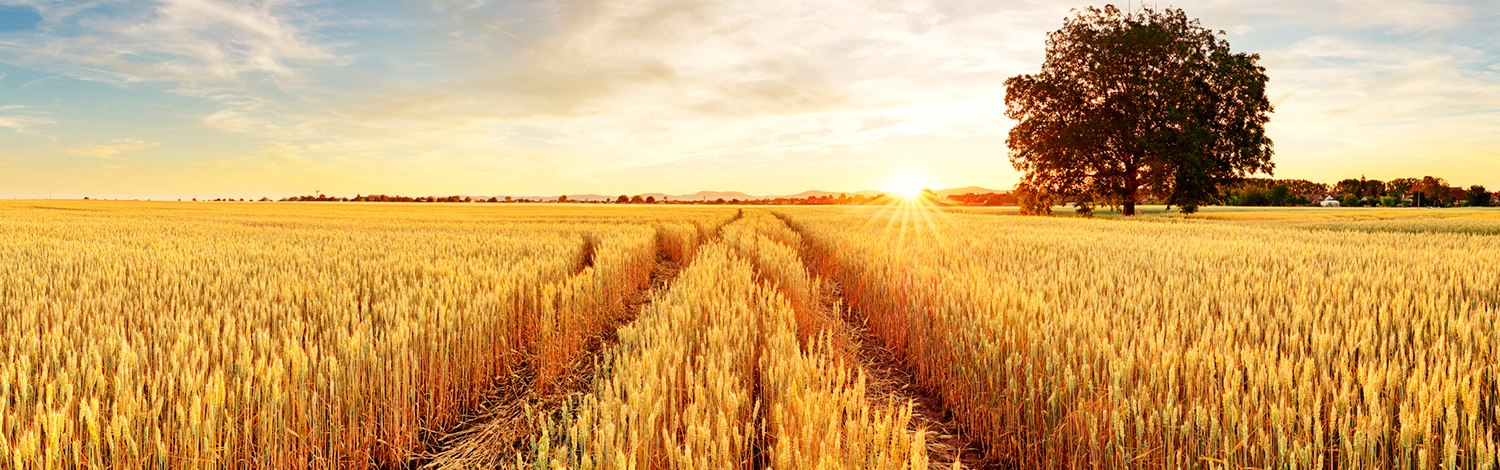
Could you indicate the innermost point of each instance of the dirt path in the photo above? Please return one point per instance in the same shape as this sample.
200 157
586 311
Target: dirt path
889 379
497 432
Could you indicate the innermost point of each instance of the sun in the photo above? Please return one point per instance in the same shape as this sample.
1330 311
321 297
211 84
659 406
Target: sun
908 183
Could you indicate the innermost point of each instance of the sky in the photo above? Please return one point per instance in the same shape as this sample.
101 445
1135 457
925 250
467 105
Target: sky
214 98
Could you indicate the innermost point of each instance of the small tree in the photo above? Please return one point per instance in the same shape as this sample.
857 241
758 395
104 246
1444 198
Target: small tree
623 199
562 198
1350 201
637 199
999 199
1477 196
650 199
1086 209
1279 195
1032 201
1248 195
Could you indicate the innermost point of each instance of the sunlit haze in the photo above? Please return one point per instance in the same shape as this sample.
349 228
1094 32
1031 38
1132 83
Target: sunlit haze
210 98
909 182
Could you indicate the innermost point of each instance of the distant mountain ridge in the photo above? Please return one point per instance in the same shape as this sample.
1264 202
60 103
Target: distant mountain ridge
969 190
703 196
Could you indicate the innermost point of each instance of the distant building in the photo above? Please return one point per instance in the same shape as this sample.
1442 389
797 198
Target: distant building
1329 201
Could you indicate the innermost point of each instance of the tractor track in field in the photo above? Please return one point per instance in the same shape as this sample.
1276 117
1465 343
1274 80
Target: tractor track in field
498 430
889 379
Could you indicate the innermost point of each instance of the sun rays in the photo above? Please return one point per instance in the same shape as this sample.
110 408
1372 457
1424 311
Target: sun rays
911 210
908 183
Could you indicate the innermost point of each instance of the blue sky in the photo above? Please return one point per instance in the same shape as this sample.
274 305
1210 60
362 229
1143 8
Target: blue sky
211 98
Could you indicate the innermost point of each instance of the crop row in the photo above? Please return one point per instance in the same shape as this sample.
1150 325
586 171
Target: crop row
1082 343
311 338
713 375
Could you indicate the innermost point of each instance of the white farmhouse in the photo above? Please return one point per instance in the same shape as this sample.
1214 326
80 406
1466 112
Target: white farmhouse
1329 201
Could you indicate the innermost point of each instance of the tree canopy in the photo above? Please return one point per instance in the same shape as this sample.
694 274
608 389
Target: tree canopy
1477 196
1400 186
1294 186
1431 190
1349 186
1129 105
1360 187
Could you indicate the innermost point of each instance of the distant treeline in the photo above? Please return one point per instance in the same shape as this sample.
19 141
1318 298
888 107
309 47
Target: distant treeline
623 199
385 198
1424 191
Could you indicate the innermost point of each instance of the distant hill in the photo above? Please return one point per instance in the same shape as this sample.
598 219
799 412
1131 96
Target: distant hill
816 193
702 196
571 197
969 189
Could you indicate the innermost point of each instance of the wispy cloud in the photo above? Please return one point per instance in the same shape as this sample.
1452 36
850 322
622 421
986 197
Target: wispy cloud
108 151
211 40
24 119
638 83
23 123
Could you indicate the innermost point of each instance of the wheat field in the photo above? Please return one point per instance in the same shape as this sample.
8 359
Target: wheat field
195 335
280 335
1143 344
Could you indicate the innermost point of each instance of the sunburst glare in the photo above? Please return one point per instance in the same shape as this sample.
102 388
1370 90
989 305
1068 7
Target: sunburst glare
909 183
909 216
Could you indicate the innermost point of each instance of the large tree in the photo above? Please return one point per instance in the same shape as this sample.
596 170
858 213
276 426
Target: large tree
1131 105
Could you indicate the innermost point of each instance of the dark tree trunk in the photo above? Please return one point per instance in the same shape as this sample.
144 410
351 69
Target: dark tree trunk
1132 183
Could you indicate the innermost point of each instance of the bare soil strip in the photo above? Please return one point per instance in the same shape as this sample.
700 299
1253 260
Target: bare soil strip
587 259
890 381
499 430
